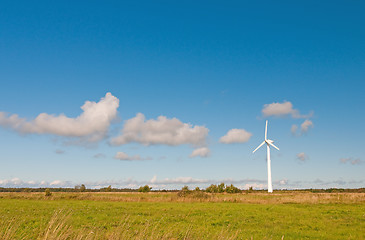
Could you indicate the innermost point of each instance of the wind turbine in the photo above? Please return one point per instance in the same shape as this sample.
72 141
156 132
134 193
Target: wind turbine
268 144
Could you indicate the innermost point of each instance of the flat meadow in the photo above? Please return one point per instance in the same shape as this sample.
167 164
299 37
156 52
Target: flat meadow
159 215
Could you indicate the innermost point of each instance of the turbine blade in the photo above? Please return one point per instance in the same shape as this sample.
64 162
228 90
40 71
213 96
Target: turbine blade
271 144
259 146
266 130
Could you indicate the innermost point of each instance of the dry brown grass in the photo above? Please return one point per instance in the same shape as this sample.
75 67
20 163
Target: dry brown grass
256 198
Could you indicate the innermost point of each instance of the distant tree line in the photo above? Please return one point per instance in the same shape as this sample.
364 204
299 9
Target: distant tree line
220 188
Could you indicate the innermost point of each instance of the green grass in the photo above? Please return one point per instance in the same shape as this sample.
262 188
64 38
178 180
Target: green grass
37 217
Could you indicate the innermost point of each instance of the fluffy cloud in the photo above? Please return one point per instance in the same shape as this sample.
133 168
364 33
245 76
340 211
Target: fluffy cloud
59 151
125 157
304 127
282 109
353 161
92 125
165 131
356 161
294 129
302 156
236 136
57 183
283 182
201 152
99 155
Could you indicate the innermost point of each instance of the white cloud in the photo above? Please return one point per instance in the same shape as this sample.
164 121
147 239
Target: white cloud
99 155
236 136
306 125
125 157
16 181
201 152
56 182
178 180
154 179
353 161
302 156
283 182
92 125
59 151
294 129
165 131
356 161
281 110
345 160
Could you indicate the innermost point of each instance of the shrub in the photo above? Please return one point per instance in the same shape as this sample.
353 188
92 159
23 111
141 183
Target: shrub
249 190
186 192
232 189
221 188
198 194
47 193
212 189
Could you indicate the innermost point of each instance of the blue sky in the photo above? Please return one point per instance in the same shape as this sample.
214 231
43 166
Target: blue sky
202 65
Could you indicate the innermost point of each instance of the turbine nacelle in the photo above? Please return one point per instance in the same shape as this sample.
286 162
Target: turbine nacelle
269 142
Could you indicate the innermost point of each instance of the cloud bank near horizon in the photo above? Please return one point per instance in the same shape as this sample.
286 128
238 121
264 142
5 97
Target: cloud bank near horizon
178 182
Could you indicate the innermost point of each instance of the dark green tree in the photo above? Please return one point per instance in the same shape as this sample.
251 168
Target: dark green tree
145 188
82 188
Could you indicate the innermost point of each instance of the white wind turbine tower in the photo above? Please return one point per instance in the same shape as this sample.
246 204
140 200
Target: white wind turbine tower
268 144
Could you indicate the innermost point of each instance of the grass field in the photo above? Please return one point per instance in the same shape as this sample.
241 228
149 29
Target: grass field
282 215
